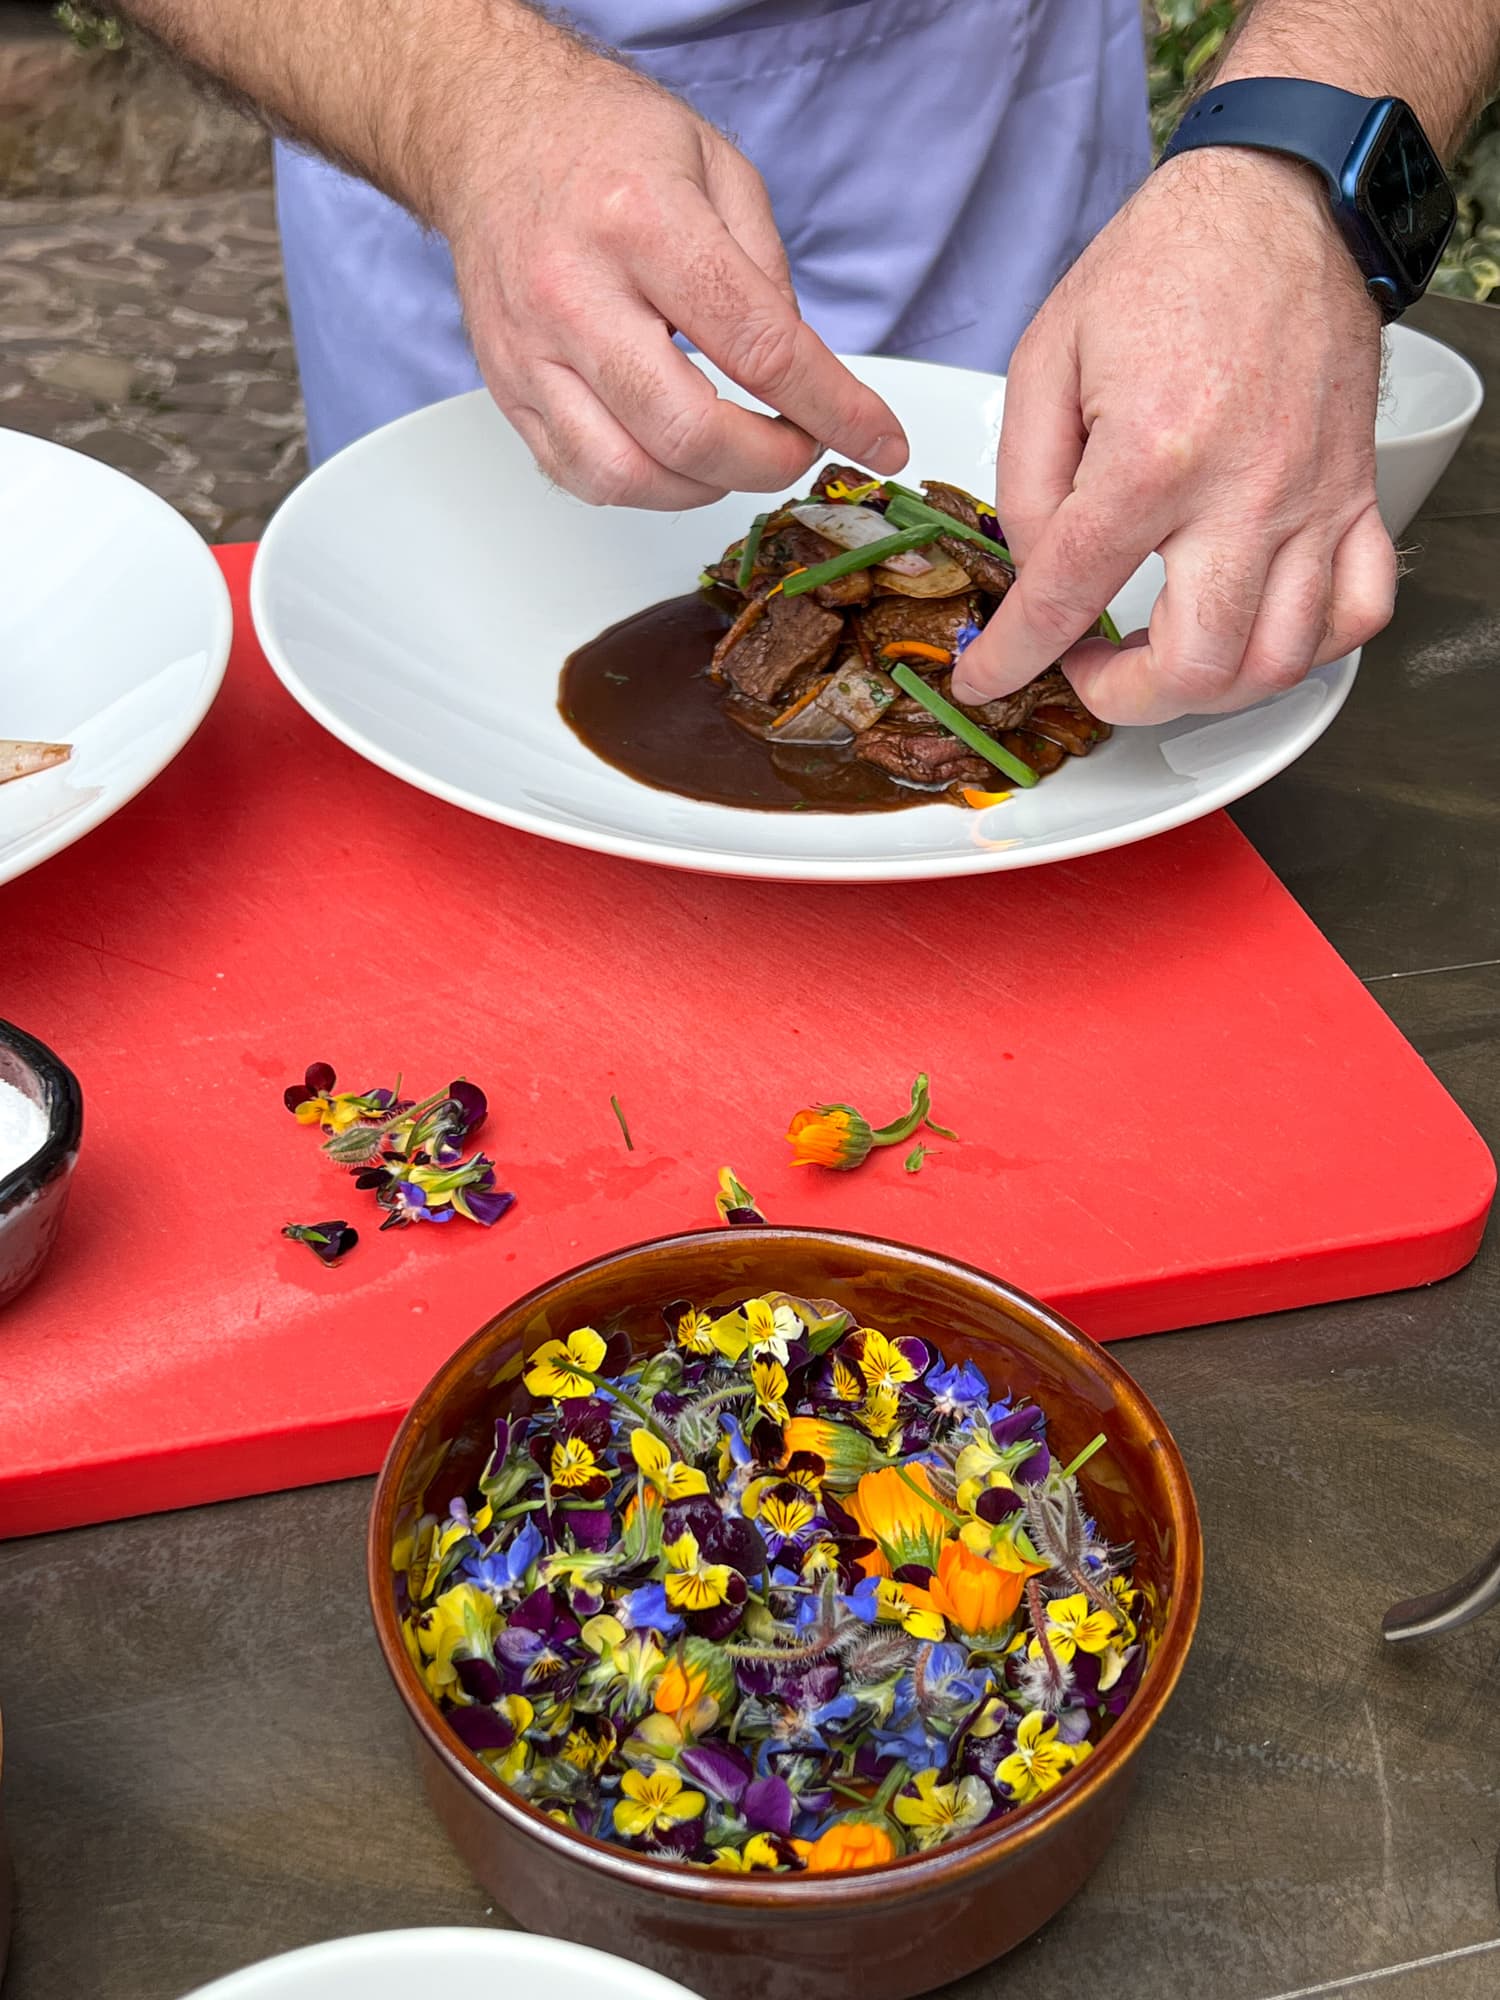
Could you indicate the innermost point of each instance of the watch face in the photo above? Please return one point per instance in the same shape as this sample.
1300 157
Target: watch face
1405 192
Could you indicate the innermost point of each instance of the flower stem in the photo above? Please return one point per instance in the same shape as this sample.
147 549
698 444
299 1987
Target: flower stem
892 1785
1094 1444
626 1401
902 1128
931 1498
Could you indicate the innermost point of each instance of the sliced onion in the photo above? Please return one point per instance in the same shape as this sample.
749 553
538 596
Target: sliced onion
854 527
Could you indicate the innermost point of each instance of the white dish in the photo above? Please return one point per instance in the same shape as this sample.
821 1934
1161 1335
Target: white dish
1429 398
419 594
114 631
393 1965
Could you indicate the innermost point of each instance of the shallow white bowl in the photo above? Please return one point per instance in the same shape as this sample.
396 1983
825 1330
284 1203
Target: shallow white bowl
114 631
1430 396
420 592
395 1965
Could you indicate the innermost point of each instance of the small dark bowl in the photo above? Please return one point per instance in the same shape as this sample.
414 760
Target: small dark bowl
33 1197
875 1934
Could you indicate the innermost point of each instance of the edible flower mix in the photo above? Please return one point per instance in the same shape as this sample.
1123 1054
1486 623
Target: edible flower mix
788 1594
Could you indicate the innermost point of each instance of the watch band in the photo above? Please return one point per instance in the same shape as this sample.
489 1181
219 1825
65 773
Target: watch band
1250 111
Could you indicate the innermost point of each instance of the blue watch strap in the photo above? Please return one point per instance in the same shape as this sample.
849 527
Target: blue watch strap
1315 122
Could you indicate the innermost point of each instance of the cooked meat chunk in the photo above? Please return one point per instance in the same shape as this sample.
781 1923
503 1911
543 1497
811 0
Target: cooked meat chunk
921 756
847 476
793 545
1042 756
773 640
796 546
1072 729
932 621
988 571
962 506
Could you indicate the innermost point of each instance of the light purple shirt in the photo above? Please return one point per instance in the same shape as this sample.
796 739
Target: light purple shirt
934 166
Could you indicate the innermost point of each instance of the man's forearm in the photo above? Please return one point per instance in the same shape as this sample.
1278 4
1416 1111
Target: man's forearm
375 87
1442 56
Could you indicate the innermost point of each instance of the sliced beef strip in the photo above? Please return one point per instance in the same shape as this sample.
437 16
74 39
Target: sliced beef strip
921 756
932 621
988 571
774 641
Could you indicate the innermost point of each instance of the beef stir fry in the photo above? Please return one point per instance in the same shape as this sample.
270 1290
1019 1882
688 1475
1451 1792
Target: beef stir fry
852 607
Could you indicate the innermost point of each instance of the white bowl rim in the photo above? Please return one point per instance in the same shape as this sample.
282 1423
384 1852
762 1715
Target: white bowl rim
218 639
424 1947
1463 366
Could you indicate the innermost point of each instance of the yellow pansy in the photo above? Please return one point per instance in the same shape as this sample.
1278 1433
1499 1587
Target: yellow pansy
691 1583
462 1623
573 1463
882 1363
845 1382
653 1801
758 1856
694 1331
1073 1627
912 1609
667 1475
554 1370
769 1380
879 1411
1039 1760
938 1812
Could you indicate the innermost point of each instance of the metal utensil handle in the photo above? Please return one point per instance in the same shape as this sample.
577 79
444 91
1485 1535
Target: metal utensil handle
1446 1610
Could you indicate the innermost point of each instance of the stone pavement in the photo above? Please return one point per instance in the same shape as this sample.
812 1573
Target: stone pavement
151 332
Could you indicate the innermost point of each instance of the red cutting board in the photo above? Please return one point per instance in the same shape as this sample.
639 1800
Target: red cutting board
1175 1103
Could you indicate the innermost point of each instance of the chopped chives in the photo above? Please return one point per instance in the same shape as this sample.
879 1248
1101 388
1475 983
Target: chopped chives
911 508
1109 628
850 560
750 551
954 719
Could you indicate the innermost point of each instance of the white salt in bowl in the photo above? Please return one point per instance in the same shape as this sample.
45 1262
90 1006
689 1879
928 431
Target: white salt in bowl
41 1128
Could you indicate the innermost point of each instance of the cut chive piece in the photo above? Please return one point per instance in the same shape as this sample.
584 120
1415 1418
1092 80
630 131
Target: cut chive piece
1109 628
750 551
955 720
852 559
910 508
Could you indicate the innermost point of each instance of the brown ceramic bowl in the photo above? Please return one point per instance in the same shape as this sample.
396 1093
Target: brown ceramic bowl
880 1933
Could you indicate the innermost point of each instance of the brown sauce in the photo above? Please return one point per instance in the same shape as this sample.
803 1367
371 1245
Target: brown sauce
640 697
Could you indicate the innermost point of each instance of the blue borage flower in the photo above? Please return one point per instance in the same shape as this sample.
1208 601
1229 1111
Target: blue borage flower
785 1593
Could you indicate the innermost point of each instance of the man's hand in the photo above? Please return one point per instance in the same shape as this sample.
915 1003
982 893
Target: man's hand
590 214
599 216
1203 383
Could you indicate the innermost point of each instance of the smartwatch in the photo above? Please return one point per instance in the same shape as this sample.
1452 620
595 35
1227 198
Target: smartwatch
1391 199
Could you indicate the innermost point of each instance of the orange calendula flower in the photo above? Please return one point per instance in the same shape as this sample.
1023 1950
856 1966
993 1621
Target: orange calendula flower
897 1508
848 1843
977 1598
847 1454
840 1138
829 1135
679 1691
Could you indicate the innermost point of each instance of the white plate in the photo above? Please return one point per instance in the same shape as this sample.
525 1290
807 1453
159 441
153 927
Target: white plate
420 592
394 1965
114 631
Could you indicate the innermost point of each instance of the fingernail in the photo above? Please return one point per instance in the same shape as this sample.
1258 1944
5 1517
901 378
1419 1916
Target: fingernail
888 453
966 693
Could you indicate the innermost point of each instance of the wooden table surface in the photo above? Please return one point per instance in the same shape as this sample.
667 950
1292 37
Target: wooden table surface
204 1764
